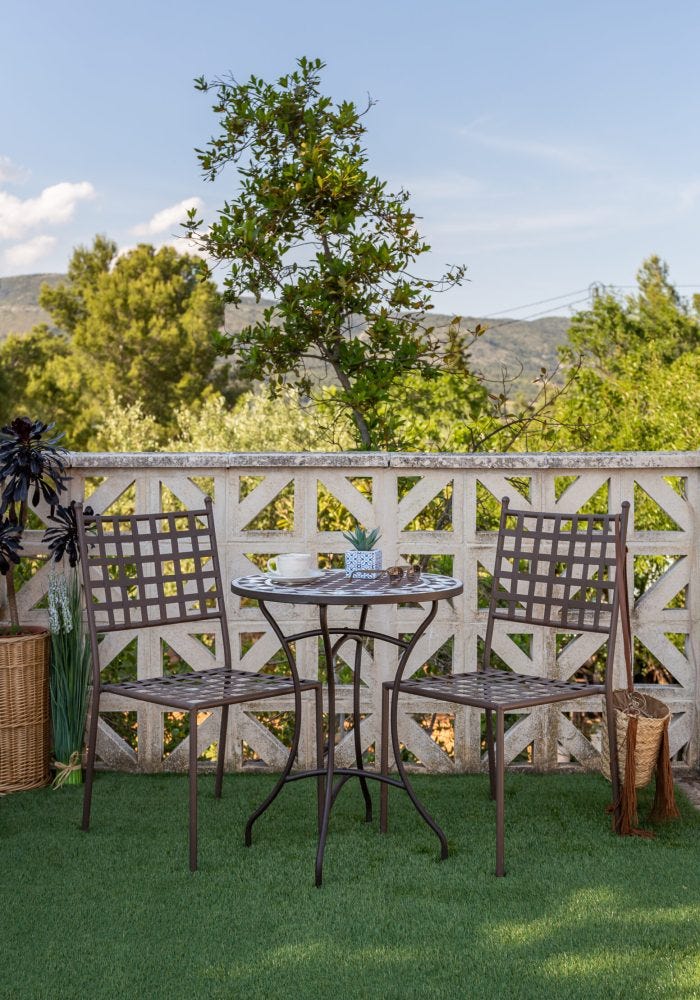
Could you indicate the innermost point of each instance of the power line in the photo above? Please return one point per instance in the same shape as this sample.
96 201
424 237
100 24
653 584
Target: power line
545 312
554 298
637 286
529 305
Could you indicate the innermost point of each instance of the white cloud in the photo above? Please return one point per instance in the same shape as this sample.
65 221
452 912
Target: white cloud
578 158
444 187
167 218
10 173
544 222
23 255
54 205
180 244
689 194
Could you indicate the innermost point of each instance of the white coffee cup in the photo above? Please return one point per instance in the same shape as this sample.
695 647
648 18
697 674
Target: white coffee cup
291 564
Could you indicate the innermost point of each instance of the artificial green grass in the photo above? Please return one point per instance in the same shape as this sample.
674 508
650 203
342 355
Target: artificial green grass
116 912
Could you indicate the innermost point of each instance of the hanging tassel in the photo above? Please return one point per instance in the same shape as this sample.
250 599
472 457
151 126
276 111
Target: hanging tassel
628 793
627 824
664 806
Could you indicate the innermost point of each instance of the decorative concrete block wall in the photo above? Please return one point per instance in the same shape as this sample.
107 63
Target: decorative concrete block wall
390 491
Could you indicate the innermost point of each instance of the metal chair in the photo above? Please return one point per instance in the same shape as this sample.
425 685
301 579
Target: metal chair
564 572
148 570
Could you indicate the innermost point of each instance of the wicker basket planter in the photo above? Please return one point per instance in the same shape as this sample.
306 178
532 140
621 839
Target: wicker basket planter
24 710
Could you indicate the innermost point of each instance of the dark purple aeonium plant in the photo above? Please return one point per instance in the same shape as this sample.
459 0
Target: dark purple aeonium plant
10 545
62 539
32 467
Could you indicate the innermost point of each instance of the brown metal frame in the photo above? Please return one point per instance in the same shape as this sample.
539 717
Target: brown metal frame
559 571
147 570
335 589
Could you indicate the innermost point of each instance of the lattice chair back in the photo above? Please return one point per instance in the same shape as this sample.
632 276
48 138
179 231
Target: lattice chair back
563 571
146 570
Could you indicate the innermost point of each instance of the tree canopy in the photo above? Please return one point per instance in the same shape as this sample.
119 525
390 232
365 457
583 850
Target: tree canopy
310 225
140 325
639 386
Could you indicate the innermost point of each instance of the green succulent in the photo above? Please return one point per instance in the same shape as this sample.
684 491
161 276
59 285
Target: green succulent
361 539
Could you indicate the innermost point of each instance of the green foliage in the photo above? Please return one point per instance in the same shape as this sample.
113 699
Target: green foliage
126 426
69 678
259 422
138 326
362 539
35 376
311 226
639 387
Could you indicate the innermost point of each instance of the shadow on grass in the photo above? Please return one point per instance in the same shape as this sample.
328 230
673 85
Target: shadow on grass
581 913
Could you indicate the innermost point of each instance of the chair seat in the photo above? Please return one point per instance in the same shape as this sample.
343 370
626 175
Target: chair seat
208 688
497 689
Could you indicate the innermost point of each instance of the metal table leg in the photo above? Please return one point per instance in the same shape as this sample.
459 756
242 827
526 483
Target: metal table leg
330 757
328 789
277 788
403 662
356 692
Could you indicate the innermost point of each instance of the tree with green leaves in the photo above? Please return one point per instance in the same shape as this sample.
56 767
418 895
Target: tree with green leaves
639 383
310 226
35 375
139 325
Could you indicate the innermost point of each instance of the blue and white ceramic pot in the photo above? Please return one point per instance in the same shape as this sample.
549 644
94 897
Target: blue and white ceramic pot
356 561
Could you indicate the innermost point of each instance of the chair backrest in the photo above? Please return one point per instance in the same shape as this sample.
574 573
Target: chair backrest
144 570
563 571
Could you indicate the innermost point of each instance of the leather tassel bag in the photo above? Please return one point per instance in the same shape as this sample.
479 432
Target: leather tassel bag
643 748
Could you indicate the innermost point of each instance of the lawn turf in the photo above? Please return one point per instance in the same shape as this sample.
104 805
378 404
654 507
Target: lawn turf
116 912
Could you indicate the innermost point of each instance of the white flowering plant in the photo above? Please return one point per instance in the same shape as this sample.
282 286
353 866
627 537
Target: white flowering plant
69 680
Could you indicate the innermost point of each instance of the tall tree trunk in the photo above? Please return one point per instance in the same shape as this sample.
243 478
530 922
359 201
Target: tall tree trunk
357 417
362 429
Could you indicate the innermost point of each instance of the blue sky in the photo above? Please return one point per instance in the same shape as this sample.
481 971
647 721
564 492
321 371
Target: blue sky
546 144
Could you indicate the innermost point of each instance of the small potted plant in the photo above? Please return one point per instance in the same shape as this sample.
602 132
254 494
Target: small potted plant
362 555
32 468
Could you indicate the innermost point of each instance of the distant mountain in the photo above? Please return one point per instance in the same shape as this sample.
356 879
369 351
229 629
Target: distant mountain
519 347
512 348
19 302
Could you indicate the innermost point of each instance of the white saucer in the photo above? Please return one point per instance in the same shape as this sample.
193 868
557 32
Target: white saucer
293 581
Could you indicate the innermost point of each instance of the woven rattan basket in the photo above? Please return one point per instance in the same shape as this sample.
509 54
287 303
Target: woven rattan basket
24 710
651 716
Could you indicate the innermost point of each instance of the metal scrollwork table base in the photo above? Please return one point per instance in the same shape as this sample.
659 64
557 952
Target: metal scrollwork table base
335 588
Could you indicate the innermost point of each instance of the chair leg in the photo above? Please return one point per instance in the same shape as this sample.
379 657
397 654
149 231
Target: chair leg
500 793
193 791
489 748
614 761
384 763
90 763
221 754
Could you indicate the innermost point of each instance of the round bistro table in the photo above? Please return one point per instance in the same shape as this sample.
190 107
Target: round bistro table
335 588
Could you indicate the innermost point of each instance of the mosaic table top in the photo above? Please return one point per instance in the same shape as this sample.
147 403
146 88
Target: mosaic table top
334 587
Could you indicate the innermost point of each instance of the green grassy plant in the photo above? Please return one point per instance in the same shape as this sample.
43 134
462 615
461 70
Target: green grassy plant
69 678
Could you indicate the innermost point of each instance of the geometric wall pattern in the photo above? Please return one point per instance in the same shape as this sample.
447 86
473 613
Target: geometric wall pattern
405 496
